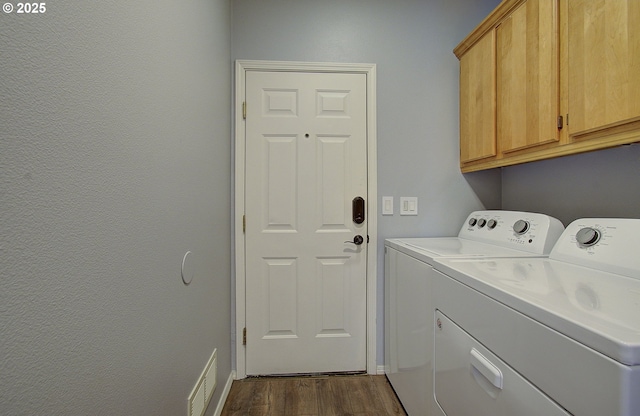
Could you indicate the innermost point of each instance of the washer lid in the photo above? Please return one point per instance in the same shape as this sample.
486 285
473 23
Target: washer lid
596 308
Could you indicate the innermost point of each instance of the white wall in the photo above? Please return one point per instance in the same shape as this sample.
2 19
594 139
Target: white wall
114 161
604 183
411 41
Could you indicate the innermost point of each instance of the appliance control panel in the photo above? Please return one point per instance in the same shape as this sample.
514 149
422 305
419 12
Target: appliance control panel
527 231
608 244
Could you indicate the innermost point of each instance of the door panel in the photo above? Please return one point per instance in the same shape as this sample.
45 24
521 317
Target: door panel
281 308
332 196
333 298
279 183
305 162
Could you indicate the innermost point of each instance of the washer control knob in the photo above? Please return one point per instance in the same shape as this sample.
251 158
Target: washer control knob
588 236
472 221
482 222
492 224
521 227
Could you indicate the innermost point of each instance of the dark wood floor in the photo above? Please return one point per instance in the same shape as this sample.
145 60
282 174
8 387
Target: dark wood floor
314 395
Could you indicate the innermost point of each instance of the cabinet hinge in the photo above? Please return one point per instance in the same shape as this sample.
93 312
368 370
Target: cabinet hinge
244 336
244 110
560 122
244 223
567 119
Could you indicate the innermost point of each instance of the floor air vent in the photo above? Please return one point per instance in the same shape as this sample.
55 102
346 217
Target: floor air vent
204 388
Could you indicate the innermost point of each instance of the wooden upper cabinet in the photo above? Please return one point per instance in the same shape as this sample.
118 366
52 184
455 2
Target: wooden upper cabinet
477 101
603 65
528 76
531 62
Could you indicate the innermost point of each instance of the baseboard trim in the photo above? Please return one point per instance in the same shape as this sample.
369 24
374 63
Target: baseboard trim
380 370
225 394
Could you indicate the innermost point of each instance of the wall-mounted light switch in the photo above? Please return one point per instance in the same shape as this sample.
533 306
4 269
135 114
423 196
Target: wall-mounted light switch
387 205
408 205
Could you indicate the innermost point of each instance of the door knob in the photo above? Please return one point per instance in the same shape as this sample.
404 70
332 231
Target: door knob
357 240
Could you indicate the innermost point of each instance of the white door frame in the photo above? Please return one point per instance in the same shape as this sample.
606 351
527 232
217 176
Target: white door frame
242 66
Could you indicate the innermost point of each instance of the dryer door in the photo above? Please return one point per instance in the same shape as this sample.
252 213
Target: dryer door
470 380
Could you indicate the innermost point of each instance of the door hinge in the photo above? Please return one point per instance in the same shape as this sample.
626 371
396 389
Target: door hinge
560 123
244 110
244 223
244 336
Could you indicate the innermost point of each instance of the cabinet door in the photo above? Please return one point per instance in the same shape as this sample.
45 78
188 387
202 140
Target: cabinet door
527 78
477 101
604 64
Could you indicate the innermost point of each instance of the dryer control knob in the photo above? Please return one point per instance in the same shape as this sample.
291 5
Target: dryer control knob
482 223
492 224
472 221
521 227
587 236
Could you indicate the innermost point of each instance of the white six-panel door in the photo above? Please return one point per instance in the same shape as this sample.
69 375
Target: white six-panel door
306 159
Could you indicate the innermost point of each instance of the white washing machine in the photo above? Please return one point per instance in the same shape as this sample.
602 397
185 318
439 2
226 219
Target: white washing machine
536 336
408 289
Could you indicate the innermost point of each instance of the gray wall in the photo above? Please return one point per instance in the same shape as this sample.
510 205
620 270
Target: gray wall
411 41
605 183
114 161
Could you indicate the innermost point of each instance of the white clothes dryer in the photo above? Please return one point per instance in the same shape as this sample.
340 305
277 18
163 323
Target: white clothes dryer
517 335
409 293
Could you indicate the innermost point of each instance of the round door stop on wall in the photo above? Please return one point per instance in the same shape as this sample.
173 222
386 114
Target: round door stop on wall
187 270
